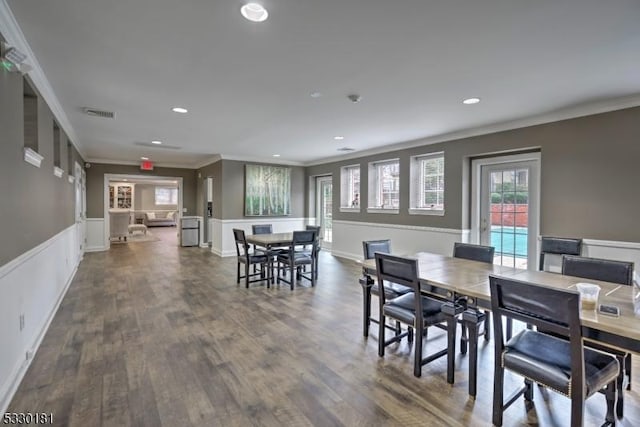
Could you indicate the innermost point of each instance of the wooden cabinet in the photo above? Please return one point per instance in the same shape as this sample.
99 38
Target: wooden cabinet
121 196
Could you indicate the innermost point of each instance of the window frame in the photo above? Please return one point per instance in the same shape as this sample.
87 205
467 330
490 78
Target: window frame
417 187
172 190
346 185
375 187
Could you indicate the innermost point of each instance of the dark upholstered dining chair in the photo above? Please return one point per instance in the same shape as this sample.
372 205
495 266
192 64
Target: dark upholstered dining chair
262 228
393 290
479 253
609 271
561 364
295 258
317 229
248 258
413 309
558 246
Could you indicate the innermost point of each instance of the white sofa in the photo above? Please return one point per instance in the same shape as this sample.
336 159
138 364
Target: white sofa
160 218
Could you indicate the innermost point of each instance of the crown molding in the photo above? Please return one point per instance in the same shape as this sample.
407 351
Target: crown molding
137 163
268 160
15 37
573 112
209 161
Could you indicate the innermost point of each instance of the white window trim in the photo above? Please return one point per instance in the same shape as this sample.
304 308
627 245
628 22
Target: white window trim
383 211
426 211
344 209
413 170
342 188
373 185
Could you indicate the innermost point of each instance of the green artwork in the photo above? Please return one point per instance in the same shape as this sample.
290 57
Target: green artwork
267 191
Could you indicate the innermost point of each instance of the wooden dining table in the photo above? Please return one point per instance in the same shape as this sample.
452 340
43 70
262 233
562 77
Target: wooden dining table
455 280
272 240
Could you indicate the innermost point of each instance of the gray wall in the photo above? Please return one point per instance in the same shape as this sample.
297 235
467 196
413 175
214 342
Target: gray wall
35 204
214 170
228 188
589 176
95 184
145 197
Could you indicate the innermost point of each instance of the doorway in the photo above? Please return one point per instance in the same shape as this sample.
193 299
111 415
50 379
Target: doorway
153 206
324 211
506 207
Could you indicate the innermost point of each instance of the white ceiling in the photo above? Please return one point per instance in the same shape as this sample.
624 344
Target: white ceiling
247 86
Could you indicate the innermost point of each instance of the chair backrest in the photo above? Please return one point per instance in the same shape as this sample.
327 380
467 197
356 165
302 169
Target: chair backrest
242 248
550 309
400 270
304 237
474 252
370 247
262 229
558 246
598 269
315 228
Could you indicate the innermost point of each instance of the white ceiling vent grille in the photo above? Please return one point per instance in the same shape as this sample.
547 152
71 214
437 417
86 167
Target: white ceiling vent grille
99 113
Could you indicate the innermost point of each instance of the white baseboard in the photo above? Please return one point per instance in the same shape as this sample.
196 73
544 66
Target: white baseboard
32 285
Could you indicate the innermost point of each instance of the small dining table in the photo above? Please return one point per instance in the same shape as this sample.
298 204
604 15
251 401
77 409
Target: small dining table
272 240
456 279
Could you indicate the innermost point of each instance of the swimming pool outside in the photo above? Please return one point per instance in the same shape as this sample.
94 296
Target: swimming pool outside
509 240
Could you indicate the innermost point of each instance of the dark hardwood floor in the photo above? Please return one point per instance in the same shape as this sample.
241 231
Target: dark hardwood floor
151 334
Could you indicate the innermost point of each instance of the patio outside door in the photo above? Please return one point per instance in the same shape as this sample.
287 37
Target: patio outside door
509 211
325 209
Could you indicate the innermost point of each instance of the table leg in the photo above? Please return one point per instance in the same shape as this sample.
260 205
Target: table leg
472 318
450 312
366 281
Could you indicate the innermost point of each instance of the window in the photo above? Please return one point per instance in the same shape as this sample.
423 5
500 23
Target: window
350 188
166 196
384 186
427 184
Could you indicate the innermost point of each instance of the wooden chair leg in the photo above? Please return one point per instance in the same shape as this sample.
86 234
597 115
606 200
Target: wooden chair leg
246 275
417 355
627 369
487 325
498 394
610 395
238 274
381 334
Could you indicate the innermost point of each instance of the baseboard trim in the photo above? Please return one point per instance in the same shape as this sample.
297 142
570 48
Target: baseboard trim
346 255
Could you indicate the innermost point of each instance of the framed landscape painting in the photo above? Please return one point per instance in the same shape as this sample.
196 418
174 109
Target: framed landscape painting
267 190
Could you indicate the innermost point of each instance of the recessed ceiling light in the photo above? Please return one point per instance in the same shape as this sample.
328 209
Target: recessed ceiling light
470 101
156 142
276 155
254 12
316 94
144 158
180 110
125 179
338 138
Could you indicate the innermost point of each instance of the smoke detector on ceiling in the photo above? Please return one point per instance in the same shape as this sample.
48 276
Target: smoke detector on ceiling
99 113
355 98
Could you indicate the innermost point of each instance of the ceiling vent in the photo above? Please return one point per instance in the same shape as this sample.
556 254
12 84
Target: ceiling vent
163 146
346 149
99 113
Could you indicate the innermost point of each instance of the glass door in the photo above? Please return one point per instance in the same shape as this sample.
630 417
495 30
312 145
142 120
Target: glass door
509 212
324 211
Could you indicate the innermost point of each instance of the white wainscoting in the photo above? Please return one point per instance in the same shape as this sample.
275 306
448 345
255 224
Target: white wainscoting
32 285
349 235
95 235
605 249
223 244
